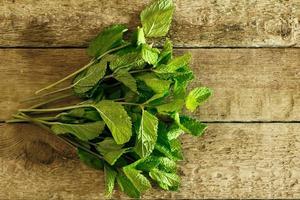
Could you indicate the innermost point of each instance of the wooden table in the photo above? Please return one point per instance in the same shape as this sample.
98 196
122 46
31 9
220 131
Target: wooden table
247 51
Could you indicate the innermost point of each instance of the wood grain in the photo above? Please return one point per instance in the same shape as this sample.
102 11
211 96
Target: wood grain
248 84
229 161
197 23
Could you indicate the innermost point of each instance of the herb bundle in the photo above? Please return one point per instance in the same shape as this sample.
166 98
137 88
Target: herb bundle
129 119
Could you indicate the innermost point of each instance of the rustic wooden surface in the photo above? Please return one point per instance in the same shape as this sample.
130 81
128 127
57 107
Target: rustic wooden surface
251 149
211 22
231 161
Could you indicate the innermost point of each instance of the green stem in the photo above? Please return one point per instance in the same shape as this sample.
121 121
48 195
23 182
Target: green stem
53 109
47 94
81 69
66 78
63 138
43 126
140 71
26 118
74 84
128 103
50 101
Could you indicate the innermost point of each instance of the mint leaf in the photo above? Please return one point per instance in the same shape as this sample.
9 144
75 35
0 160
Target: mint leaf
174 106
173 132
175 145
109 38
127 79
110 176
93 75
164 145
149 54
167 181
140 182
166 54
197 97
190 125
83 114
147 134
181 82
128 61
117 120
154 83
148 163
155 98
89 159
156 18
166 151
162 163
83 132
167 165
110 150
174 64
138 37
126 186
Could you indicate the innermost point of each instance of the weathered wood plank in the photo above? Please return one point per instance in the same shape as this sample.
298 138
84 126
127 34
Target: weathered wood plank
197 23
248 84
230 161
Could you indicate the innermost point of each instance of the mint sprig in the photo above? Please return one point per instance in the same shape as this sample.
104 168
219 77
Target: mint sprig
128 121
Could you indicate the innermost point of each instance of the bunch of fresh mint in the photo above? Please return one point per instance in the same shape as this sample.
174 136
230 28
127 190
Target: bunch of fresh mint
129 119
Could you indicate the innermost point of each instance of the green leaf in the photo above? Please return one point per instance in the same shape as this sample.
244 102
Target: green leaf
140 182
90 160
94 74
197 97
149 54
164 145
127 187
82 113
83 132
174 131
173 106
110 150
162 163
181 82
139 37
147 163
110 176
166 54
77 112
128 61
155 98
174 65
117 120
91 115
167 181
109 38
165 150
167 165
147 134
127 79
154 83
156 18
190 125
175 145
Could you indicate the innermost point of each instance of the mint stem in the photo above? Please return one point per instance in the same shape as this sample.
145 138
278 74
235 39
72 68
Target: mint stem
50 101
81 69
53 109
18 120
